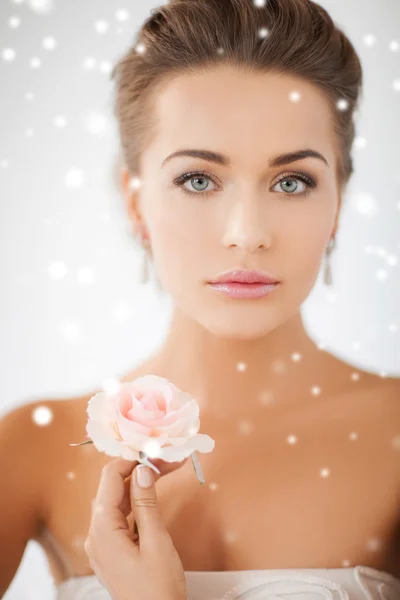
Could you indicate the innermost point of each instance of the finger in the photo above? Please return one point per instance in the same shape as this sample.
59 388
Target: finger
125 505
144 505
109 502
115 483
167 467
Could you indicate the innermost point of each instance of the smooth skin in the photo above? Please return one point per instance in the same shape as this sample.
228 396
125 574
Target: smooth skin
248 219
126 563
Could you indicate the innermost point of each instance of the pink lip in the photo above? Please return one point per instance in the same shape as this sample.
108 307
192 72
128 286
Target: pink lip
244 290
244 276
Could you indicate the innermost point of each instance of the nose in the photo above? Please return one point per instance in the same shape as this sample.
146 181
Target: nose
246 229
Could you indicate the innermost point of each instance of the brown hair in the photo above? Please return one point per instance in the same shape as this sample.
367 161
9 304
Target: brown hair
190 35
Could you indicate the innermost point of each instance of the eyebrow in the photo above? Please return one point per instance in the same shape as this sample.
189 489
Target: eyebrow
221 159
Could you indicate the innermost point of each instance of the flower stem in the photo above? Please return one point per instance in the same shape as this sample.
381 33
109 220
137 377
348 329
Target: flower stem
82 443
197 468
145 461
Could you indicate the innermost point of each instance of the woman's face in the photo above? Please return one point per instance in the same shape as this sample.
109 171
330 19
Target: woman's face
238 214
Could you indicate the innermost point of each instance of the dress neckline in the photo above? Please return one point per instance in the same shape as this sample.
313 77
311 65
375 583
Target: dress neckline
378 573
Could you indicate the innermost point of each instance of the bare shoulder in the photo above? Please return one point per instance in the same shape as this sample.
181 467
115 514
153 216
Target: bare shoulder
45 428
370 397
386 393
374 402
383 392
26 427
29 432
36 435
351 378
24 452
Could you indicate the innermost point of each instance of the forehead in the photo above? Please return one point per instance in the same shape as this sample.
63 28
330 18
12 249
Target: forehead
242 113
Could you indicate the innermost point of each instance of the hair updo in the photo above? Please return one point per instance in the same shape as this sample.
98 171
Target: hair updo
189 35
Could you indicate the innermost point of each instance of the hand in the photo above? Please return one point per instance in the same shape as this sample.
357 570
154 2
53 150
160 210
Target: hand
130 566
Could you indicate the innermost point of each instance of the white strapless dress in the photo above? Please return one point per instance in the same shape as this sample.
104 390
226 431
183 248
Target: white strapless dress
350 583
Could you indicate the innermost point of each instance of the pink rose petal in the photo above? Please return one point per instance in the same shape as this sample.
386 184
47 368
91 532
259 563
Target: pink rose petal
148 412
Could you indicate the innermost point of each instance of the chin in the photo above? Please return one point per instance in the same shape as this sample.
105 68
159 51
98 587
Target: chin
239 329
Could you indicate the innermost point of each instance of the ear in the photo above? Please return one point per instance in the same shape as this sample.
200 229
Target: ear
130 195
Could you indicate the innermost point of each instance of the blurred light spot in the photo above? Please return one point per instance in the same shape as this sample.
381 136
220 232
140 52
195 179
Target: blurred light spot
14 22
86 275
8 54
245 427
96 123
105 66
89 62
49 43
101 26
369 39
74 177
294 96
42 415
35 62
263 32
122 14
342 104
111 385
58 270
60 121
266 397
374 544
140 48
71 332
381 274
278 367
364 204
360 142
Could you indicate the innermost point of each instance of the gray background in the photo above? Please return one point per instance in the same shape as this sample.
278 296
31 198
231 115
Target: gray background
72 312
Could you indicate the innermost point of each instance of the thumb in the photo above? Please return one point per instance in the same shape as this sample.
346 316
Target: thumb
144 504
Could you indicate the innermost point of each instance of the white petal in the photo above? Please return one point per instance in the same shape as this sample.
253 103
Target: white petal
189 410
177 429
191 428
200 443
95 407
184 398
129 453
99 432
108 446
174 454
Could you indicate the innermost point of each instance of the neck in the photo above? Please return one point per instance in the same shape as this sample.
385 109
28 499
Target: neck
229 376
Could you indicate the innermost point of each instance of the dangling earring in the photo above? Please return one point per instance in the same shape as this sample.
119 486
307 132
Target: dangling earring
145 270
328 269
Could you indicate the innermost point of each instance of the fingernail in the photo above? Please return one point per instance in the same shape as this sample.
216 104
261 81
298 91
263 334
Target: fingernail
144 476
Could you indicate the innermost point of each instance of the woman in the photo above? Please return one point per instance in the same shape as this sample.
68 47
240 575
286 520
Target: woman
236 124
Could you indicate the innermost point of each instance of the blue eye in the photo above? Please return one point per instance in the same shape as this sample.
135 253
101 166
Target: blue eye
197 175
203 177
307 181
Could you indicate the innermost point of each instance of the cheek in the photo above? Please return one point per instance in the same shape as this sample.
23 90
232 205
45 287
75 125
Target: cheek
303 244
178 246
178 231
